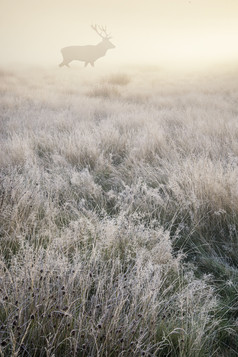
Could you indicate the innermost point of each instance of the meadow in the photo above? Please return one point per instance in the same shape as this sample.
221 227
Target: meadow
118 212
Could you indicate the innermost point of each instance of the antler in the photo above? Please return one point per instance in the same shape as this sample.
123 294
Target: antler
101 31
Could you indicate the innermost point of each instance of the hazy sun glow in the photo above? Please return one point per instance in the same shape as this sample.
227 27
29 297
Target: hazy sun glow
144 31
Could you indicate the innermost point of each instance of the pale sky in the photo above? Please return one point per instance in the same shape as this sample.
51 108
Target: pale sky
144 31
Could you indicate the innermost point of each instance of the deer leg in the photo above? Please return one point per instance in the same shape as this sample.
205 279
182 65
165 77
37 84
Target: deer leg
85 64
64 64
92 64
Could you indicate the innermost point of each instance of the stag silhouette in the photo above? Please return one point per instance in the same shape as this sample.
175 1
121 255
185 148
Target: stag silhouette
88 54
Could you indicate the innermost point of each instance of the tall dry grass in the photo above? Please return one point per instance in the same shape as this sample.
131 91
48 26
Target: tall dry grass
118 216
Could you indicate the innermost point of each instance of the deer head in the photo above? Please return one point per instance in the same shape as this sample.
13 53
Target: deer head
102 32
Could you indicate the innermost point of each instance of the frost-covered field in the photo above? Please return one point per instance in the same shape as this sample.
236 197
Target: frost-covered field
119 213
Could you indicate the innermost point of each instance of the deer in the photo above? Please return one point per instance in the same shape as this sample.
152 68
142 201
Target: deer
88 54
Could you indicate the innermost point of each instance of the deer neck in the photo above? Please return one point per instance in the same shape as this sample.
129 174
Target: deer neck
102 48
